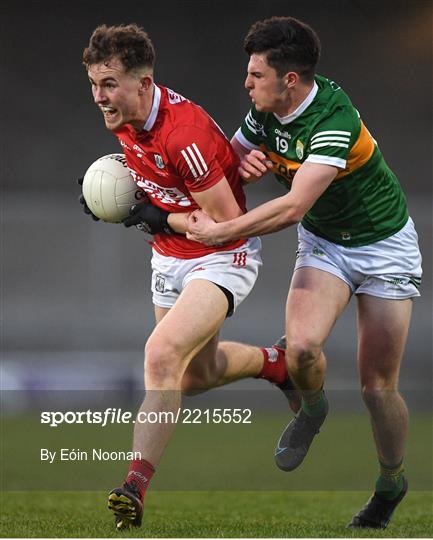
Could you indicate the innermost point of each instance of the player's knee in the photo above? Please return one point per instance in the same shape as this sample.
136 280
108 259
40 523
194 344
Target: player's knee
302 353
162 364
376 389
378 380
373 398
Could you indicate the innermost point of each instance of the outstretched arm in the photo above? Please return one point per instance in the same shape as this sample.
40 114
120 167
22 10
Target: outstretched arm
309 183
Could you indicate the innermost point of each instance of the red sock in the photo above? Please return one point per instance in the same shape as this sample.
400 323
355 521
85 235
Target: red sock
140 473
274 365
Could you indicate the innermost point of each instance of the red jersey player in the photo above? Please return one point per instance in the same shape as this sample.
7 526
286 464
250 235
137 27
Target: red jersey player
179 153
180 157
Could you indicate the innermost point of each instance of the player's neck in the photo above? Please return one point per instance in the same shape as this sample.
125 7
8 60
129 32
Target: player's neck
294 99
144 110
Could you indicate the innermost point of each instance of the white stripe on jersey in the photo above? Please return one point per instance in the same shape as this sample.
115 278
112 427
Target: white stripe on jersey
203 162
321 145
198 165
190 165
194 158
327 160
329 138
250 125
243 141
335 132
253 125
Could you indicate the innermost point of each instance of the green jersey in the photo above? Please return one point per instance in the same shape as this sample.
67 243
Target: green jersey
364 203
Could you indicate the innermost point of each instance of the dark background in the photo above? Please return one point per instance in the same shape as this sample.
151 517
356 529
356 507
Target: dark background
76 294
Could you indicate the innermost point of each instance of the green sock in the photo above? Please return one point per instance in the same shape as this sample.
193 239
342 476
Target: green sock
390 481
314 403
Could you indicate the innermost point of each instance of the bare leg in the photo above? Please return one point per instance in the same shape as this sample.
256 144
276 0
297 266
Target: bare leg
382 331
189 325
315 301
180 334
218 363
221 363
382 327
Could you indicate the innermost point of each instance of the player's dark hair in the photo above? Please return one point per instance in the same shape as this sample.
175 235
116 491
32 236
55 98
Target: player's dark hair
289 45
130 43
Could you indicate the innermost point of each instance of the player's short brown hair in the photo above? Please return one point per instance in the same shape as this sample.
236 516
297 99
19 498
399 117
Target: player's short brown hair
289 45
130 43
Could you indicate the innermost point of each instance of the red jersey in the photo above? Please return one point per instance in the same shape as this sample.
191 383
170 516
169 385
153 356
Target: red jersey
179 151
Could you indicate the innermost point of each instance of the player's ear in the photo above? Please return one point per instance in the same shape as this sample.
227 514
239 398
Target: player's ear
291 79
146 82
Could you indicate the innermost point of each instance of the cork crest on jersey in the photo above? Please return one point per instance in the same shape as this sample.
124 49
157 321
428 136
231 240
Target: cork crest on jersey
159 161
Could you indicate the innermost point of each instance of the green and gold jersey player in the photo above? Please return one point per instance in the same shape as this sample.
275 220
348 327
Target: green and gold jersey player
364 203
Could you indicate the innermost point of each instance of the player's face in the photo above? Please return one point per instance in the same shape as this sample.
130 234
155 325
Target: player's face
117 94
267 91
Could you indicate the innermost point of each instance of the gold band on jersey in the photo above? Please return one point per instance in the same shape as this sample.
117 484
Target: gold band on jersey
360 152
281 165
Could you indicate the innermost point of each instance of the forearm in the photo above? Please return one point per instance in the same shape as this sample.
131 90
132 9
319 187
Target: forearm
311 180
270 217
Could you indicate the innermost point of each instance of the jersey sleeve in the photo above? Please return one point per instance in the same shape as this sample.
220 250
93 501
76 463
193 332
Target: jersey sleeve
332 139
193 152
251 132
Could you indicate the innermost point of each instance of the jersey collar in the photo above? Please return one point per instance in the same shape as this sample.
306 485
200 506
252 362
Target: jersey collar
307 101
154 111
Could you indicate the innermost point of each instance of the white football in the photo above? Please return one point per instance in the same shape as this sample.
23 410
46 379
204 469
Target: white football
109 190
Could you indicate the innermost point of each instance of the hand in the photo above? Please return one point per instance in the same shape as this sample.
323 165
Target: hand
254 166
202 228
148 218
82 201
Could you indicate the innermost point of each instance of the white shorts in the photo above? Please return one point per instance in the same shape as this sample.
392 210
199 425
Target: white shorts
235 271
390 268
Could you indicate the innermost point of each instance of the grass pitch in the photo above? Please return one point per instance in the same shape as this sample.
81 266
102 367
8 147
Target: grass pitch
209 514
